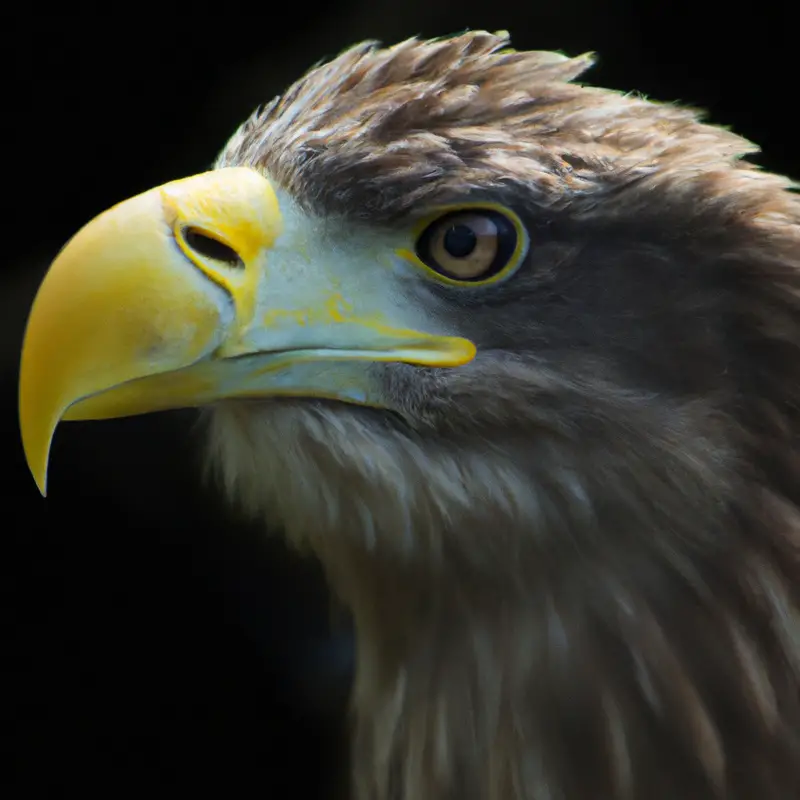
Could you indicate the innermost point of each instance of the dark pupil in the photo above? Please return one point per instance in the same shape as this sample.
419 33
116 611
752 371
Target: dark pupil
460 241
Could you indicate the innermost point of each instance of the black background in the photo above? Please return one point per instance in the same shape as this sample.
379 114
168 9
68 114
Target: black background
151 640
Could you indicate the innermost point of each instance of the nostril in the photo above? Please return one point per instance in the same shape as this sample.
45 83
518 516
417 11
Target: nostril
211 248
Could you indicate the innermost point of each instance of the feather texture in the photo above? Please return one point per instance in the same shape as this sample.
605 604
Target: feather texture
572 564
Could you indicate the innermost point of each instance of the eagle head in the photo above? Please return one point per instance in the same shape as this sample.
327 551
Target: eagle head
518 359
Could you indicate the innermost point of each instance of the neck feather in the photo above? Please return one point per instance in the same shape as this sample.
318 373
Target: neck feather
544 618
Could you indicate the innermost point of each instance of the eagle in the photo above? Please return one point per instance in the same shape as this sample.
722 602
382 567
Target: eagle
517 359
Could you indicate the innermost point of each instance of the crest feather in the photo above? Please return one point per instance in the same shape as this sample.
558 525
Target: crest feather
386 133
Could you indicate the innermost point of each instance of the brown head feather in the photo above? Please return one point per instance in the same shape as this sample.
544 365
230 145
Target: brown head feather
381 134
575 565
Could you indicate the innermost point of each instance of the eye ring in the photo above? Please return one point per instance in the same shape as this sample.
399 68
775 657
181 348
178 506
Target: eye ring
471 245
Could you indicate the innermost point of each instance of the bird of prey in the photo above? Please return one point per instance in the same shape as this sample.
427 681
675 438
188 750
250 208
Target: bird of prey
518 359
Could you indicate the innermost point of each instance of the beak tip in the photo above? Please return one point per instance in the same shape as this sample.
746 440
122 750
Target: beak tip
37 458
39 478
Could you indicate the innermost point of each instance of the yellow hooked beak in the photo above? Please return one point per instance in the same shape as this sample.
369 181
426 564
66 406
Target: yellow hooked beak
197 291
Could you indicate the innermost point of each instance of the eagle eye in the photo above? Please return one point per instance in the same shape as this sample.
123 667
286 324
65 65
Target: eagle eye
471 245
